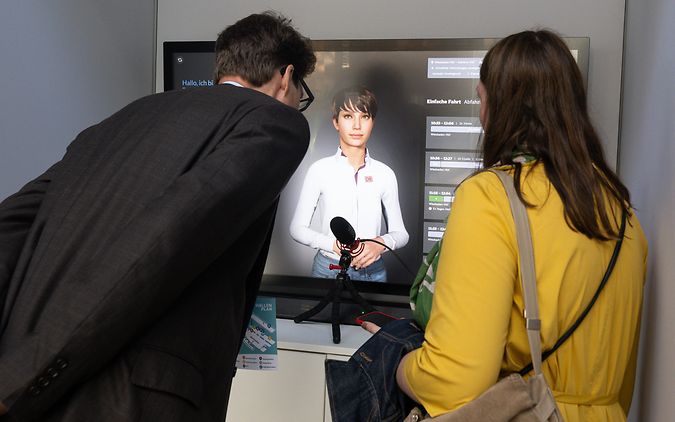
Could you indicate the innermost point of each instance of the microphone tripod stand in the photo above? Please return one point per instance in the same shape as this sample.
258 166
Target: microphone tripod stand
342 282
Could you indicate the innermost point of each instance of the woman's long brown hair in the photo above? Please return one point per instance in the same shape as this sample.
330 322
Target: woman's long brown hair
536 102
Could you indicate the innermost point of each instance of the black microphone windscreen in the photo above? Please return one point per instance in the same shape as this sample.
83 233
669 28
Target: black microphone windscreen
343 231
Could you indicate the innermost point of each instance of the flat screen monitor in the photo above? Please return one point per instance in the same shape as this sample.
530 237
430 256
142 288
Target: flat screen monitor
426 131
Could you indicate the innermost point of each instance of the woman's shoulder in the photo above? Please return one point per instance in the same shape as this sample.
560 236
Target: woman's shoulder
482 190
485 180
485 186
534 182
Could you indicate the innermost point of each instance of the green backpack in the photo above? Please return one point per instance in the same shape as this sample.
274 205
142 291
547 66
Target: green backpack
422 289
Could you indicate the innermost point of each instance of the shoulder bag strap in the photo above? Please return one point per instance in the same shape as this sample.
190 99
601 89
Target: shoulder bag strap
527 274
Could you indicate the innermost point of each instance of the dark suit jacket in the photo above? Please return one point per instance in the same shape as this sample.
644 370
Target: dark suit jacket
129 269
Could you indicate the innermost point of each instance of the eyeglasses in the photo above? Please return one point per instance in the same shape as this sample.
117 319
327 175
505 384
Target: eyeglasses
307 96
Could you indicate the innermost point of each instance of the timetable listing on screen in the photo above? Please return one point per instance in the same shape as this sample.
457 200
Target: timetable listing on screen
450 167
454 67
453 132
433 232
437 202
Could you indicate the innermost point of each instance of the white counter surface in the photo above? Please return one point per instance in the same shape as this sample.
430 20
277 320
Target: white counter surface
317 337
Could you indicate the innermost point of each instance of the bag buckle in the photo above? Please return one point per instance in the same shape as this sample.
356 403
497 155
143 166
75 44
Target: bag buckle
533 324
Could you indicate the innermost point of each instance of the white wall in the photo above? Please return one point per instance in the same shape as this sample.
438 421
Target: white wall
601 20
65 65
647 153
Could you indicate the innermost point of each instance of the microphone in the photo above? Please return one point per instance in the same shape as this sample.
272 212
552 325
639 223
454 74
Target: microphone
346 236
343 231
347 242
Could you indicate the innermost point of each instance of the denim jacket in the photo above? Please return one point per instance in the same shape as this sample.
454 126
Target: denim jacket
364 388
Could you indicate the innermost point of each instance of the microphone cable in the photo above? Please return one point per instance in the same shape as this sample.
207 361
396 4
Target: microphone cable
412 274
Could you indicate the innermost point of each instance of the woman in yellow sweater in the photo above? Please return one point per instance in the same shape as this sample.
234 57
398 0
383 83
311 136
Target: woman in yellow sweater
533 104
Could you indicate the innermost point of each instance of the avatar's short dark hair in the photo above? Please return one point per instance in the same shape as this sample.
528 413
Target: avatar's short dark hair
355 98
259 45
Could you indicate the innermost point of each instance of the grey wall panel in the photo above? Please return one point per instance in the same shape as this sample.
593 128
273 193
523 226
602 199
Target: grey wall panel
647 166
66 65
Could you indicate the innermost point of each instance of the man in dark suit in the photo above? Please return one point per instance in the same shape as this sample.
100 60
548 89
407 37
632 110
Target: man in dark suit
128 270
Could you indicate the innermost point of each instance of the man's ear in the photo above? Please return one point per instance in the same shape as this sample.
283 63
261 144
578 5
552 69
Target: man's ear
335 123
287 79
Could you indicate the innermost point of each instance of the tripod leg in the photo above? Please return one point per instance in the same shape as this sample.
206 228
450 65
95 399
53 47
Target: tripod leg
356 296
319 306
335 313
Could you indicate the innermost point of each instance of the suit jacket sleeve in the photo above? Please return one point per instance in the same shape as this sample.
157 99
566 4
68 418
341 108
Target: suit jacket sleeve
17 214
131 282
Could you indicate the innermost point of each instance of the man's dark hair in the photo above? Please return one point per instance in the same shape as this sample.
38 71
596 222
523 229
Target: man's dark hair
355 99
259 45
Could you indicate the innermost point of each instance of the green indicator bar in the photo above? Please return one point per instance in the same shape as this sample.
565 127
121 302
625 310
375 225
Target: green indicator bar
436 198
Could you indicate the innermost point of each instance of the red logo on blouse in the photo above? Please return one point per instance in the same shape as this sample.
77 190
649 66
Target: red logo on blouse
369 179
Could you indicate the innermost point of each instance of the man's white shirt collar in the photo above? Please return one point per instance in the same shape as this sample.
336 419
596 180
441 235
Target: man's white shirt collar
231 83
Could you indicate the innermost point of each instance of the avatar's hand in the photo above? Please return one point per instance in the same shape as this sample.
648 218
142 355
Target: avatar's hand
371 253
